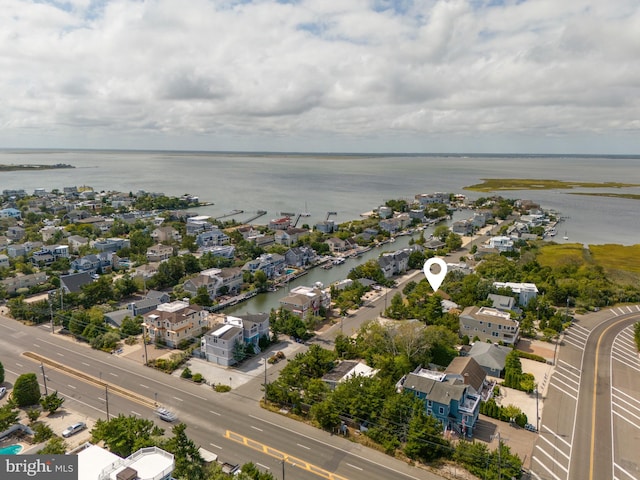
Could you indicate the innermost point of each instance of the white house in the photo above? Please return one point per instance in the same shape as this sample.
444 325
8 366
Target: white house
526 291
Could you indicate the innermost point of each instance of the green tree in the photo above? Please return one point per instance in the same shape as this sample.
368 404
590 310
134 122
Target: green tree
125 435
189 464
55 446
26 390
202 297
51 402
441 232
260 278
41 432
8 416
424 438
131 326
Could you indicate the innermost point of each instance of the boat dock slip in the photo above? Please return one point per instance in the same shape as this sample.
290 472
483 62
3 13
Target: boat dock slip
258 214
230 214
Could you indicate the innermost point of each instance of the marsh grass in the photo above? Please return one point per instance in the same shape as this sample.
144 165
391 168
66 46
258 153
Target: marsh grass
499 184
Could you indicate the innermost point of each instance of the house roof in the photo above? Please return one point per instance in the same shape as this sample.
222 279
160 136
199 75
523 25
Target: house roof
74 281
489 355
468 368
440 391
347 369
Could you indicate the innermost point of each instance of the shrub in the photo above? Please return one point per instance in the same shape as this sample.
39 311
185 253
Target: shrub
26 390
186 373
221 388
198 378
530 356
41 432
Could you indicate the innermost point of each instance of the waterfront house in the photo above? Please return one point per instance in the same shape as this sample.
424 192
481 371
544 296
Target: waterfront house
336 244
159 252
280 223
431 198
524 291
198 224
226 251
289 236
247 232
385 212
304 301
489 324
299 256
4 261
326 226
270 263
445 397
463 227
217 281
175 322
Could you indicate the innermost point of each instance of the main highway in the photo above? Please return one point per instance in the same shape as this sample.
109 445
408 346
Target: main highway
230 425
591 422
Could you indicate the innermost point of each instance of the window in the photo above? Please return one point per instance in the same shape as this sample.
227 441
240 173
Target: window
489 324
494 334
441 410
429 403
500 327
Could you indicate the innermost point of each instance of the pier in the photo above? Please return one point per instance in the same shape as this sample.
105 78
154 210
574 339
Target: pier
258 214
229 214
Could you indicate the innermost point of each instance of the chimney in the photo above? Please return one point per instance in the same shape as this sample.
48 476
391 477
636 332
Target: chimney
466 378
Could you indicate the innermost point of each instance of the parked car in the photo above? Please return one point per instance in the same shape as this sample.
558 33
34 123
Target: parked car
3 391
73 429
530 427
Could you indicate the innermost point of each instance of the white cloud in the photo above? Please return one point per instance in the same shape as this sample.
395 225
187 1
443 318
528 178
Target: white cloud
321 74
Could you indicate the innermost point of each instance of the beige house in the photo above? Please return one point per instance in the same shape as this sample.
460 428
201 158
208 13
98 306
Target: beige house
175 322
489 324
159 252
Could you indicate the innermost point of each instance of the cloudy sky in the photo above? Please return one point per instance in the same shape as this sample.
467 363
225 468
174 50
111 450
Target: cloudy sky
530 76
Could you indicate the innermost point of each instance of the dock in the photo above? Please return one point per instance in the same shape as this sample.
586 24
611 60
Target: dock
258 214
229 214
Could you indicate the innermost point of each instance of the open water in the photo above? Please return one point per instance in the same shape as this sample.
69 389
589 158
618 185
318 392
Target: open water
348 185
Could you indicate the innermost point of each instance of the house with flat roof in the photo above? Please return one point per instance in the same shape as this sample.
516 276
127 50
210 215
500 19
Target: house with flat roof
159 252
217 281
489 324
525 291
150 463
218 345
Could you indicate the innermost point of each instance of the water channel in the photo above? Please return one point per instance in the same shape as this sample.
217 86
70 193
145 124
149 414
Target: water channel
264 302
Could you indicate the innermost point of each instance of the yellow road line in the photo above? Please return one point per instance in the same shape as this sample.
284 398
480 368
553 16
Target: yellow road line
290 459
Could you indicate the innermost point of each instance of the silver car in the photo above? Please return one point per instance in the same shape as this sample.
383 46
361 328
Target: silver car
73 429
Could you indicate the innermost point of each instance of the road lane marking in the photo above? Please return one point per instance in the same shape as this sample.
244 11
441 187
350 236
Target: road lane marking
60 354
216 446
179 399
36 345
624 362
136 413
559 373
256 428
547 469
618 391
557 436
353 466
303 446
623 470
71 386
542 437
573 343
19 364
622 417
263 466
113 374
326 444
86 364
143 385
215 413
552 384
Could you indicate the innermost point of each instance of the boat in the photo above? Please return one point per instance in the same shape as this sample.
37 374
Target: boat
339 261
566 237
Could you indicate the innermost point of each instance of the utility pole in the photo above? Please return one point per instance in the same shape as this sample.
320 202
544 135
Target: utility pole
44 378
144 342
265 379
51 314
537 414
106 397
283 462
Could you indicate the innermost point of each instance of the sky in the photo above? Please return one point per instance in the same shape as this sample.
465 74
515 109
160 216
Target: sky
423 76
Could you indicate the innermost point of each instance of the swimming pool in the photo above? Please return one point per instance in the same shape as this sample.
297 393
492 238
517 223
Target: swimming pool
289 271
11 450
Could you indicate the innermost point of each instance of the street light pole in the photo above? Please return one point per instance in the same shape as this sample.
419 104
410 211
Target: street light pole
283 461
44 379
265 380
537 414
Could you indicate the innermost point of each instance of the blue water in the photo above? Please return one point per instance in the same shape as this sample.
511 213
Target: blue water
346 184
11 450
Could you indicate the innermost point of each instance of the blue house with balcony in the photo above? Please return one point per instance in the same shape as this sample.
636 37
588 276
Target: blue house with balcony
446 397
